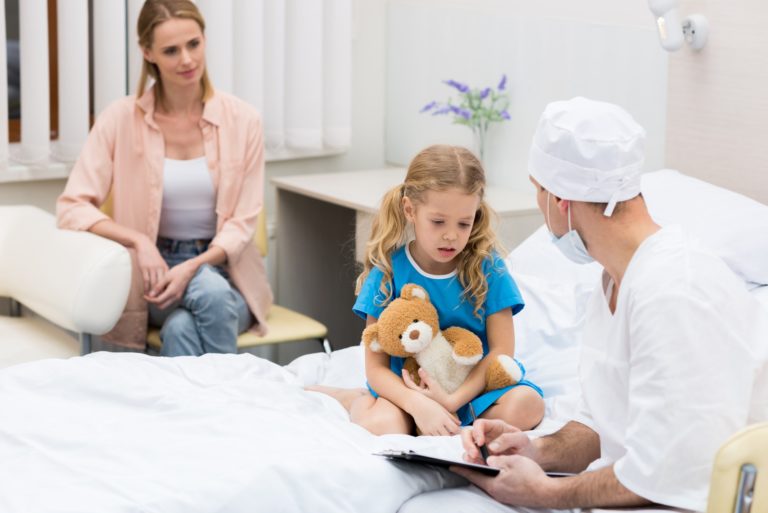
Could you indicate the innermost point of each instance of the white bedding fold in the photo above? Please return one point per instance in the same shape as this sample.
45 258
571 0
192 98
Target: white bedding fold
121 432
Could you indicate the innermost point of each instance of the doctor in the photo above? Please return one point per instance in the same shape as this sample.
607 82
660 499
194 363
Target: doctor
672 348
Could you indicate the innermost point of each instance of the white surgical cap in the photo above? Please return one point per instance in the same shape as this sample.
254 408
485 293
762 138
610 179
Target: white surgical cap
584 150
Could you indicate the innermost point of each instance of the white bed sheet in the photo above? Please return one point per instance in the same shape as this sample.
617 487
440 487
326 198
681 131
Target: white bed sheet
230 433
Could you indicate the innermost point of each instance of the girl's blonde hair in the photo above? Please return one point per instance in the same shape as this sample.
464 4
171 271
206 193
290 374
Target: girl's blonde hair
436 168
153 13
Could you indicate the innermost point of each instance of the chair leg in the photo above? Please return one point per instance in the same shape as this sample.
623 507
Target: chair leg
85 343
327 347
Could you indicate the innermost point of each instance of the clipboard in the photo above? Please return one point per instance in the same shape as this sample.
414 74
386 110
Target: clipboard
411 456
423 459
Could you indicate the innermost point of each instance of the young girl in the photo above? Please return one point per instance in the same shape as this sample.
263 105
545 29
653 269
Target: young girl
452 256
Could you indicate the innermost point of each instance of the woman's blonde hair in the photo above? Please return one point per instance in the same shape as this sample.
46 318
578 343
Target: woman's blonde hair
153 13
436 168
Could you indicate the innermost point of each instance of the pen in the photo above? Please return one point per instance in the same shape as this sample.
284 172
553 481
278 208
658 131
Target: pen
483 448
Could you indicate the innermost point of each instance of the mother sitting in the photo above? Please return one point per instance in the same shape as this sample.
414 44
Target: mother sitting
185 167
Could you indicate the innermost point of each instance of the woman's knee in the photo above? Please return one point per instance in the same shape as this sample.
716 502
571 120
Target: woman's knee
210 291
179 335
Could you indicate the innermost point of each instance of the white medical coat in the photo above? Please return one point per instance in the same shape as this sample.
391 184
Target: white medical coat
669 375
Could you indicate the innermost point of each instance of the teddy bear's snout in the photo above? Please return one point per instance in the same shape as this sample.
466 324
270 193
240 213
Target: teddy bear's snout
417 336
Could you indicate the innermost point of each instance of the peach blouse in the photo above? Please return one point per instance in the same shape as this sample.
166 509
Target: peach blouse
124 154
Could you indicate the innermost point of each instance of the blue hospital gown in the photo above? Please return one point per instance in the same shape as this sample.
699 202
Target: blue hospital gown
445 293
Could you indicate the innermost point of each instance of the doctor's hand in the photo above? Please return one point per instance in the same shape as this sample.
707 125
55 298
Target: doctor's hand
521 481
499 437
429 387
432 419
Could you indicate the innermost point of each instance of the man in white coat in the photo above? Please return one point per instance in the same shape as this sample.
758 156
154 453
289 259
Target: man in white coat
673 358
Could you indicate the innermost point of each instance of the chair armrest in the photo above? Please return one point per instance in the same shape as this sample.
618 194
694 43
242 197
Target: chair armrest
77 280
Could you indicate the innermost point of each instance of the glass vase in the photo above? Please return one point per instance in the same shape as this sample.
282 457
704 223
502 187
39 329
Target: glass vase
479 143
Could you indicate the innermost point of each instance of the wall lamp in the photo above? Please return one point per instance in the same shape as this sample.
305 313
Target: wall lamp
672 32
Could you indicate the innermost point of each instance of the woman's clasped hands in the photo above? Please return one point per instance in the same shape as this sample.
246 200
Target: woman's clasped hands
163 286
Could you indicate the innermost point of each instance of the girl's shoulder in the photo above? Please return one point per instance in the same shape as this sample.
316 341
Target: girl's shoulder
494 261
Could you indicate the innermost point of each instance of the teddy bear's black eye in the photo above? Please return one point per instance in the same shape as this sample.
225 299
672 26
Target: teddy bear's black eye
415 320
400 336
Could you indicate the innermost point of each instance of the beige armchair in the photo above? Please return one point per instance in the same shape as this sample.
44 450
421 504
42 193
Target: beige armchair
739 481
63 286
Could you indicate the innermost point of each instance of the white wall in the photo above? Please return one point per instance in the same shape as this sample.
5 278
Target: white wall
552 50
718 99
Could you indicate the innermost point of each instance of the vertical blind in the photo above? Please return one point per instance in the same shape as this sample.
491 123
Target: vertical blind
291 59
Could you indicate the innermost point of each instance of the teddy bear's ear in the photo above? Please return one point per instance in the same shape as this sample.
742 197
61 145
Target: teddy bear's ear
371 338
411 291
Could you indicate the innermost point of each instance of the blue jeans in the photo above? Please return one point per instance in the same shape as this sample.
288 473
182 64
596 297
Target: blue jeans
210 314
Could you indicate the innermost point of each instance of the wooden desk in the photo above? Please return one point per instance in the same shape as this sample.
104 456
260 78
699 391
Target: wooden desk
323 223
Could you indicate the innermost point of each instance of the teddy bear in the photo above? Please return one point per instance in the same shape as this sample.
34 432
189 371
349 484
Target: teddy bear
409 328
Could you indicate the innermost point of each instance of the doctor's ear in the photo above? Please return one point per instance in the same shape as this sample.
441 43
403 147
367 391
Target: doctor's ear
562 204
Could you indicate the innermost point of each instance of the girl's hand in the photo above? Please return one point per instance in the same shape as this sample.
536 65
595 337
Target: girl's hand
171 287
151 263
429 387
499 437
432 419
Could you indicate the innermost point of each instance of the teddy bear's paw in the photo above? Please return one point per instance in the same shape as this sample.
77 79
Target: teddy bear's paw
511 367
469 359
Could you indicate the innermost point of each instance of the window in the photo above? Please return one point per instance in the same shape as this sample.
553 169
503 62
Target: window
14 75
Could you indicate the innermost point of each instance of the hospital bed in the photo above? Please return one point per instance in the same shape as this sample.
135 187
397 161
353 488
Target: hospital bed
122 432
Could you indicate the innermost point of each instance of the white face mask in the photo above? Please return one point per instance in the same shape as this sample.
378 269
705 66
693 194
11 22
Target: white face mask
571 245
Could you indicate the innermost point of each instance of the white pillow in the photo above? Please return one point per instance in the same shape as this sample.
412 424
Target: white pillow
729 224
548 329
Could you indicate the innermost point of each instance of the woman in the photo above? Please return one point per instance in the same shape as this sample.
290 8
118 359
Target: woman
185 166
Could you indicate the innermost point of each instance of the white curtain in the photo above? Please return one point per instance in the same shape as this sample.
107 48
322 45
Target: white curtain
304 73
248 31
73 78
291 59
35 100
3 93
274 74
337 73
109 52
218 16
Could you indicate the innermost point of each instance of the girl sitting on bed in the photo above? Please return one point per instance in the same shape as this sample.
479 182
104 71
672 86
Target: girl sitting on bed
452 255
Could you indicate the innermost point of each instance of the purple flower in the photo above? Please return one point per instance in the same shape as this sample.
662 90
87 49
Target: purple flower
470 108
502 82
457 85
429 106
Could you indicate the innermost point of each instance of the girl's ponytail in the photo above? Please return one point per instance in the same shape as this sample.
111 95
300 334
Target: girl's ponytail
387 234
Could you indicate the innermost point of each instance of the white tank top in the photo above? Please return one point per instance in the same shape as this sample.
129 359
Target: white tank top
189 200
